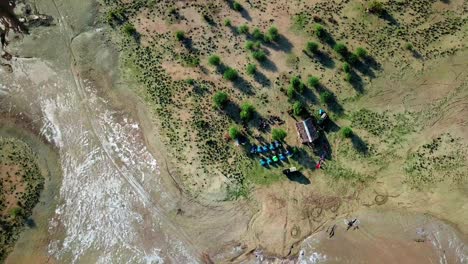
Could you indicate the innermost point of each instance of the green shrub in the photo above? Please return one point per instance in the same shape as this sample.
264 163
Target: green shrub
346 132
220 99
409 46
180 35
376 7
313 81
234 132
298 108
129 29
249 45
273 34
295 82
291 92
257 45
16 212
251 69
326 97
319 31
312 47
341 49
230 74
361 52
247 112
227 22
259 55
346 67
257 34
214 60
237 6
243 29
190 81
278 134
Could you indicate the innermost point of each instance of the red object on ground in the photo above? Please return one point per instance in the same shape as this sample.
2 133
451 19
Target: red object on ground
318 165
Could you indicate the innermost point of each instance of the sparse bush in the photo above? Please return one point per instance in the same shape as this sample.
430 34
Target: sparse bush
312 47
298 108
220 99
375 7
273 34
346 132
234 132
129 29
251 69
341 49
180 35
346 67
257 45
243 29
259 55
313 81
291 92
257 34
326 97
247 112
227 22
190 81
230 74
214 60
237 6
319 31
409 46
16 212
278 134
361 52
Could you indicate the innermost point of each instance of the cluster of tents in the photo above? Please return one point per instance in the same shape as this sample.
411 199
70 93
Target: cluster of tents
270 148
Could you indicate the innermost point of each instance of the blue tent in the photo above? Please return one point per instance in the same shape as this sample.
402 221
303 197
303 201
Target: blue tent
277 144
253 149
262 162
281 156
259 149
265 149
269 161
272 147
288 153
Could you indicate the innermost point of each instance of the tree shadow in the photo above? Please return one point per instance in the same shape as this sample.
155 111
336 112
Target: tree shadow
282 44
261 79
364 69
385 15
304 159
268 65
359 144
330 126
372 63
298 177
328 39
188 44
356 82
322 147
243 85
245 14
332 104
323 58
232 110
308 96
416 55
